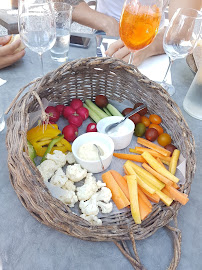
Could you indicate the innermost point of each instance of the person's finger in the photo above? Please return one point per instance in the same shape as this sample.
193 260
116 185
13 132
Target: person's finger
4 40
121 53
8 60
114 47
126 58
10 48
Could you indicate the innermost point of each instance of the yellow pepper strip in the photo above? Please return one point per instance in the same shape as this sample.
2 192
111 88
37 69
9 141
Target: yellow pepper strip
174 160
42 132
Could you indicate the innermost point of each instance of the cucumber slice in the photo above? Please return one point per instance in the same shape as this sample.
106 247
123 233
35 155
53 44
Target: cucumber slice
113 110
92 114
95 108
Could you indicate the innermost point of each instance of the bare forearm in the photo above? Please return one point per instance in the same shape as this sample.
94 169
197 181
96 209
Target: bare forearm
175 4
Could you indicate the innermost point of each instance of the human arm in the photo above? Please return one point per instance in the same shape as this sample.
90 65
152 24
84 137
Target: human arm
83 14
7 52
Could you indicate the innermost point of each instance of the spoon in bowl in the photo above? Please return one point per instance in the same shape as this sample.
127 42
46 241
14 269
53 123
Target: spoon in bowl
113 125
99 155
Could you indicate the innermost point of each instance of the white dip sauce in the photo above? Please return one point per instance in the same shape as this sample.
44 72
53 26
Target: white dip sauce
88 151
119 130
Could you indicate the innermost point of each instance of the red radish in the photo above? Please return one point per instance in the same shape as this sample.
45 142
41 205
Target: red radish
60 108
68 111
70 132
83 112
92 127
76 103
75 119
53 113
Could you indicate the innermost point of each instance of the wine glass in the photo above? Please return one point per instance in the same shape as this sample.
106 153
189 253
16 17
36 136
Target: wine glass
36 23
180 38
139 23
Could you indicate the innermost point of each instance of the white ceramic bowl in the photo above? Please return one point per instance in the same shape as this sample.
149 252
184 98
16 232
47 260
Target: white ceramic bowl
102 140
121 135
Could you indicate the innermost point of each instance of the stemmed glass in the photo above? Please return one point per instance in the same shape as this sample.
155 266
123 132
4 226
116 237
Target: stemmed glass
139 23
180 38
36 23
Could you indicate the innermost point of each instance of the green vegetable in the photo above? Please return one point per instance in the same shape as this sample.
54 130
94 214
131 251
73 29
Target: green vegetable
113 110
140 130
92 114
50 146
96 109
31 151
106 111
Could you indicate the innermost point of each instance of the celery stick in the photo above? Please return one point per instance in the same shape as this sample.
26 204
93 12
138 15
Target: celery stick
113 110
92 114
95 108
106 111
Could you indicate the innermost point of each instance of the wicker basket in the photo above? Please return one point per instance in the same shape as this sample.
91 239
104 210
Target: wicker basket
83 79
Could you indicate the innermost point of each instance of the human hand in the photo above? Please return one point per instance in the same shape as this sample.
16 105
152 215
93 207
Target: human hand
8 56
111 27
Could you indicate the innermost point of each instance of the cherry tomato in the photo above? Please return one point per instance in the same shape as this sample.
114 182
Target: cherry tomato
164 139
157 127
140 130
145 120
155 119
143 111
151 134
136 118
170 147
126 111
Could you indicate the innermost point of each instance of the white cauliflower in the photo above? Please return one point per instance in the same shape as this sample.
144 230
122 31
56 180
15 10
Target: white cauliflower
100 184
93 220
88 189
69 185
47 169
58 157
104 195
59 178
75 173
68 198
105 207
70 158
89 207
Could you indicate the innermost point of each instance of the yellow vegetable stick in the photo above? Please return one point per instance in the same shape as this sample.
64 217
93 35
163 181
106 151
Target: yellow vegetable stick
156 166
133 192
142 172
174 160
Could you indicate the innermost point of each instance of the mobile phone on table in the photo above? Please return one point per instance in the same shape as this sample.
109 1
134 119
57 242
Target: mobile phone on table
81 42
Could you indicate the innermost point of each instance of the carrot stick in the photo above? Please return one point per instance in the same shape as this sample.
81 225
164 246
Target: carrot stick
153 146
137 158
152 197
144 198
157 175
159 160
121 182
118 196
174 160
177 195
144 209
140 150
165 190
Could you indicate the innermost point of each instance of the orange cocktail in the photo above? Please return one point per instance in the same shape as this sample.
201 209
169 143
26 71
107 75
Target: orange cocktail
139 25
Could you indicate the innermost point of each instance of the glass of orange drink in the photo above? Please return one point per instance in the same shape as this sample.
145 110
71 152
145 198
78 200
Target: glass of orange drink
139 23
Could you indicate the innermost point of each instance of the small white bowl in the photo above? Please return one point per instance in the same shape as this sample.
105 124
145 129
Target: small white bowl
102 140
121 135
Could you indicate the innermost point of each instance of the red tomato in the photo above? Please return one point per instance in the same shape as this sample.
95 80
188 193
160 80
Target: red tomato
164 139
136 118
155 119
157 127
151 134
126 111
145 120
143 111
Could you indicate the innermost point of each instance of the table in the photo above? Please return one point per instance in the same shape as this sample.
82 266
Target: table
26 244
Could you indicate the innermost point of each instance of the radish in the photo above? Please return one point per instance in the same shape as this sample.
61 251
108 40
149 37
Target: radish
53 113
83 112
76 103
75 119
68 111
70 132
92 127
60 108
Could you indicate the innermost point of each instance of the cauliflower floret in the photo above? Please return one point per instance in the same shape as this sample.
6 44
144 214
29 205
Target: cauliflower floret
59 178
92 219
105 207
104 195
69 198
88 189
75 172
58 157
100 184
89 207
70 158
69 185
47 169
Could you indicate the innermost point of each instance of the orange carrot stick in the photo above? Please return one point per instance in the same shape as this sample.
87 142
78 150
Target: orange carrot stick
137 158
144 209
140 150
177 195
153 146
121 182
152 197
118 196
159 160
165 190
157 175
144 198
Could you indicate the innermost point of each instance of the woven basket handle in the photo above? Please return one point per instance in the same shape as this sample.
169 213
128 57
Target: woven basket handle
134 258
